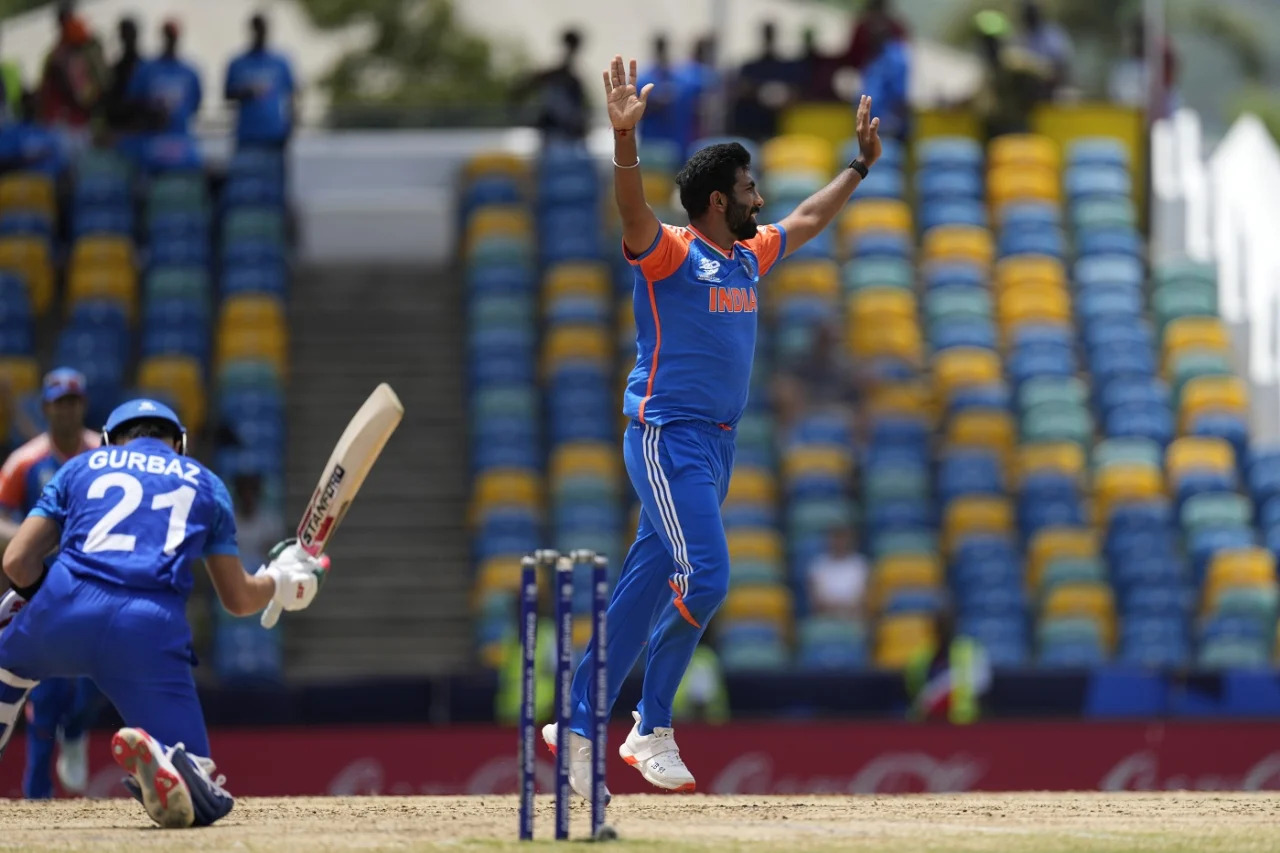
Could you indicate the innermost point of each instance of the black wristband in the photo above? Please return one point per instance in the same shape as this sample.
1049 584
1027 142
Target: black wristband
859 167
27 591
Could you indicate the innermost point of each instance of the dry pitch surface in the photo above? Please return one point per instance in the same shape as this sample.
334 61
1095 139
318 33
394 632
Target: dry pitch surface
1008 823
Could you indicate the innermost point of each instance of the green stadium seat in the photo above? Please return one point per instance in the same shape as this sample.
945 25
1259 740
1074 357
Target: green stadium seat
1058 421
905 542
1052 389
957 303
1215 510
1103 213
1124 451
1183 299
264 224
880 272
1060 570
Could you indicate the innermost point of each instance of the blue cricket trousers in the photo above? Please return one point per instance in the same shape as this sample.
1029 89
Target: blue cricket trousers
57 704
675 575
135 645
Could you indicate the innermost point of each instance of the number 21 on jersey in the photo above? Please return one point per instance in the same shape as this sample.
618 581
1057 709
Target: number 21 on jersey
101 538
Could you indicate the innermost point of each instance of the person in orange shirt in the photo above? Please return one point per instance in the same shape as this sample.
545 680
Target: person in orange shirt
60 708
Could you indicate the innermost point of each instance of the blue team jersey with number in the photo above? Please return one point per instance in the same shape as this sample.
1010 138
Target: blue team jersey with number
696 308
138 515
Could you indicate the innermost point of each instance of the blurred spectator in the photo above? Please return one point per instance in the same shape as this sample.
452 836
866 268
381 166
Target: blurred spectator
869 33
703 80
837 579
562 102
168 86
1047 40
825 378
1014 79
949 679
261 81
1130 78
73 79
764 87
819 70
28 146
702 695
124 114
258 527
885 77
671 113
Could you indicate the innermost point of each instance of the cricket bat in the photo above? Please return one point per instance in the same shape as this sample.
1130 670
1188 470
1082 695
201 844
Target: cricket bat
348 465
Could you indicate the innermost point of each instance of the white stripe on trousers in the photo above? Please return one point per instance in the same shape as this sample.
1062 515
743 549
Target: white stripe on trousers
9 710
661 488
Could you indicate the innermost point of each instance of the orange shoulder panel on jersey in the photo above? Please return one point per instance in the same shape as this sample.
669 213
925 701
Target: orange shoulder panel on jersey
665 256
767 245
13 476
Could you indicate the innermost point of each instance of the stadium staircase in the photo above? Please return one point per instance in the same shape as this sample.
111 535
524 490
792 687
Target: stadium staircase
398 604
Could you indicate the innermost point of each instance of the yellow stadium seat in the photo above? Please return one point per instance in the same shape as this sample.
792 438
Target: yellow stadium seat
496 163
1021 270
19 375
751 485
816 278
1024 149
961 367
1062 457
755 544
252 312
959 243
115 283
1050 543
874 215
504 487
901 398
1033 303
28 192
1090 600
985 429
975 514
1125 482
889 339
658 187
1213 394
500 573
797 153
1233 567
180 378
1193 333
97 252
872 306
571 459
499 220
904 571
758 603
577 342
901 636
1006 184
28 258
1198 453
577 278
817 459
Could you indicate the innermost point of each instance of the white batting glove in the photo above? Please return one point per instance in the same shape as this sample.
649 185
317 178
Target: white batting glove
297 576
10 604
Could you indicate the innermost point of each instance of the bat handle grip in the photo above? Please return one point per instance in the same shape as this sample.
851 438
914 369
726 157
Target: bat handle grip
271 616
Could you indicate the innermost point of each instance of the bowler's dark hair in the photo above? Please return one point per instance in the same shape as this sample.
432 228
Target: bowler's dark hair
145 428
713 169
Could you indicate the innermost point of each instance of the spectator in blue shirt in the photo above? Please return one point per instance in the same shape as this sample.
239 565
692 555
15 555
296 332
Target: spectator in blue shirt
672 113
261 82
885 77
168 86
31 147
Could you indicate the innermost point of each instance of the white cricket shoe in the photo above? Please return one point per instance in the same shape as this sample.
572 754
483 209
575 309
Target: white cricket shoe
657 758
163 791
73 763
579 761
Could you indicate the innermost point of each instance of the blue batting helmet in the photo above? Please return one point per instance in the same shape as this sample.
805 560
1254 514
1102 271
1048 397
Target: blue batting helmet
142 409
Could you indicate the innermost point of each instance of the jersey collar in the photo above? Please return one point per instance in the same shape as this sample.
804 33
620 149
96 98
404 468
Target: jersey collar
703 237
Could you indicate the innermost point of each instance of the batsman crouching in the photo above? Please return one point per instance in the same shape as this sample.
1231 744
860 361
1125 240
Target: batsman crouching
130 519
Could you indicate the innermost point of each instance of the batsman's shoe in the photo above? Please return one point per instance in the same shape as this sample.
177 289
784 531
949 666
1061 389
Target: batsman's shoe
657 758
161 788
210 800
579 761
73 763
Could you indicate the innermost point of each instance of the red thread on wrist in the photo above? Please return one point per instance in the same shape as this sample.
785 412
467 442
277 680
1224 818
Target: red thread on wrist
621 131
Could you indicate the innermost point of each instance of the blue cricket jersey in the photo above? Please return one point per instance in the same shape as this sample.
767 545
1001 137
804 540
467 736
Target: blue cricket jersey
696 310
171 85
138 515
266 116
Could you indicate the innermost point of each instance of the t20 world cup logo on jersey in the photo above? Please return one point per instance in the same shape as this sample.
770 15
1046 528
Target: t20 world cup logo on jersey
319 518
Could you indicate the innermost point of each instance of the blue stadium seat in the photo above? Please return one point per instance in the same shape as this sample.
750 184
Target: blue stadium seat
1050 241
1140 420
971 397
1122 303
1092 181
1004 638
935 186
569 234
883 183
968 472
951 273
1103 151
953 211
102 220
1030 216
1108 241
964 333
1099 270
1111 330
1040 334
947 153
882 244
252 191
178 252
1133 389
267 280
26 224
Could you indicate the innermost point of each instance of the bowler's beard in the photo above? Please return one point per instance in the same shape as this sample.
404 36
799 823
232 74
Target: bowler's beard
741 220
